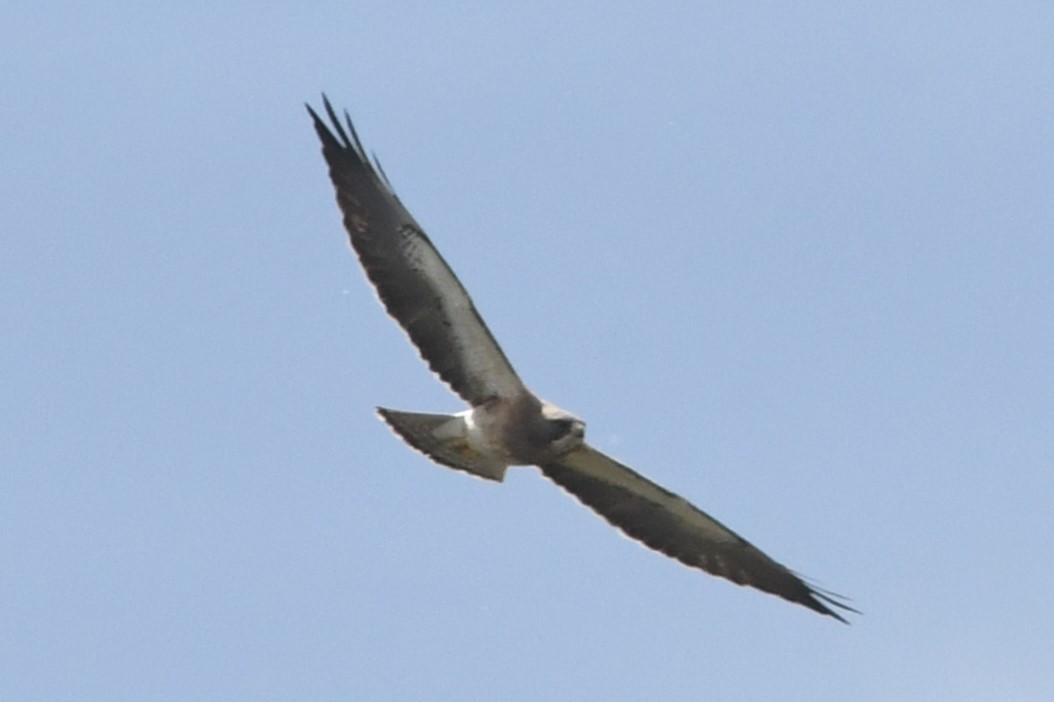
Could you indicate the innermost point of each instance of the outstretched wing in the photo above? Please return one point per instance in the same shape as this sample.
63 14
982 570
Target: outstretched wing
412 280
668 523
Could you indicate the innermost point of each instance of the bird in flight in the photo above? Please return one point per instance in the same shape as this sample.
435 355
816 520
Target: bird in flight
506 424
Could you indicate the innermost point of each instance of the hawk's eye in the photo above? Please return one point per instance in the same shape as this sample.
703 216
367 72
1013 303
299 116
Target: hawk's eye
559 428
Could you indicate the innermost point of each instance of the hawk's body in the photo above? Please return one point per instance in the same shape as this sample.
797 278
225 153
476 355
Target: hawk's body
506 423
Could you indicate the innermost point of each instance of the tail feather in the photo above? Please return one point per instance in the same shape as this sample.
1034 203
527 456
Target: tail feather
443 438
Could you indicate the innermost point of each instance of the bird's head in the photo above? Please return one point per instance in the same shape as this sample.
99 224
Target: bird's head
564 431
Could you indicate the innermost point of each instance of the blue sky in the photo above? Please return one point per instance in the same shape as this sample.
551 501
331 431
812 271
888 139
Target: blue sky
795 264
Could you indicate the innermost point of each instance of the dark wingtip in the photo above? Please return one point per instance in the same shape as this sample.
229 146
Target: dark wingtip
334 133
314 115
380 170
822 600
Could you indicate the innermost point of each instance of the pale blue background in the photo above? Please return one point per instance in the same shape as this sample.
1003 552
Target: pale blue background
795 264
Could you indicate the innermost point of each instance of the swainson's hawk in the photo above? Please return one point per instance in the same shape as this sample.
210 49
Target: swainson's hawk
506 424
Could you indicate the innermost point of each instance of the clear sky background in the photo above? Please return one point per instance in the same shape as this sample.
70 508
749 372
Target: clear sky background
795 264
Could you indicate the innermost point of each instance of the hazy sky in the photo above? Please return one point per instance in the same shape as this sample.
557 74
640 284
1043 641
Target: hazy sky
795 264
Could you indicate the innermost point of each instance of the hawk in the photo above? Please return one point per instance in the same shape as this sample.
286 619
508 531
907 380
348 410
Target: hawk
506 424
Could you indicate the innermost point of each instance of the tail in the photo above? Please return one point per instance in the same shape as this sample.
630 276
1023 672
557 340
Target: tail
444 439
